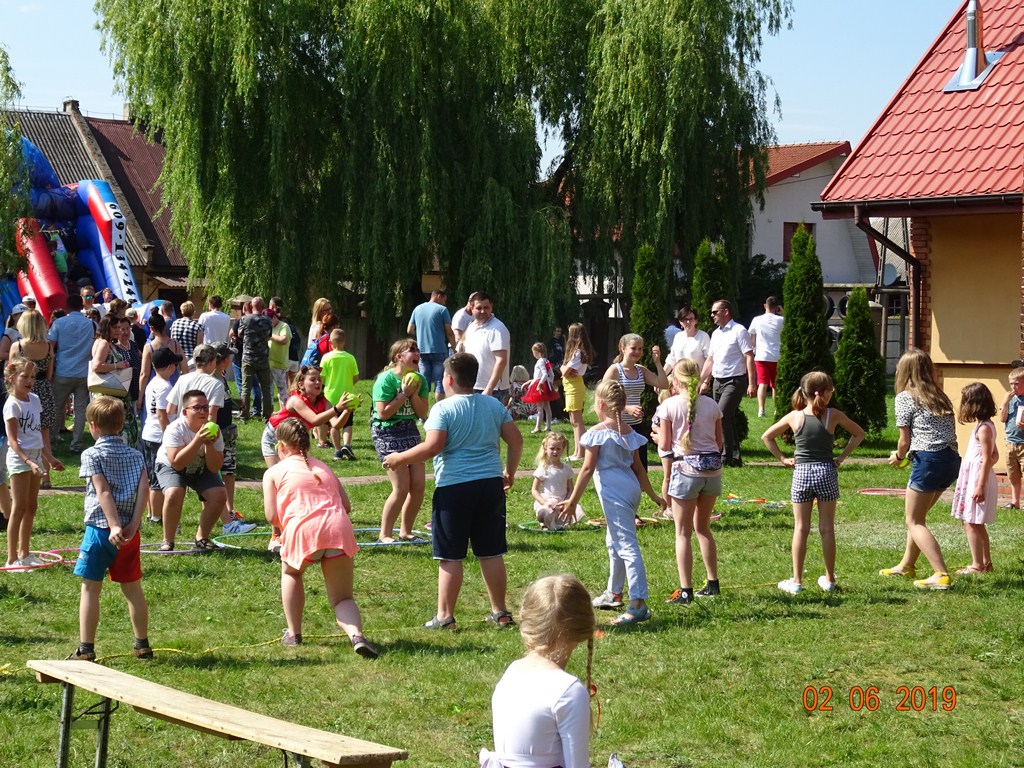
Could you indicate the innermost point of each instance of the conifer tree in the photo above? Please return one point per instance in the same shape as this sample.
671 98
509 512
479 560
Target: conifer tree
712 280
805 338
860 368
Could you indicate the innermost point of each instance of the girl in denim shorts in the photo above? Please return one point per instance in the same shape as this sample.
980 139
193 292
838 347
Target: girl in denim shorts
927 424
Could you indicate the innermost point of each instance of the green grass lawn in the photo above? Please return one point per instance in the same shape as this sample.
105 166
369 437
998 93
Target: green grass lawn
723 682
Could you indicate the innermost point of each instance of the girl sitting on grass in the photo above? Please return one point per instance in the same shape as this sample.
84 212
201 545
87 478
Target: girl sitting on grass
305 499
976 494
552 483
815 472
612 459
541 713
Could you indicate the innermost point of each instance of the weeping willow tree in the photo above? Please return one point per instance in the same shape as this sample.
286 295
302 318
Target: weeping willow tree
361 142
14 194
663 115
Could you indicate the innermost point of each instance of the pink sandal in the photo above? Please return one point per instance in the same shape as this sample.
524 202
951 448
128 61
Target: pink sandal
969 571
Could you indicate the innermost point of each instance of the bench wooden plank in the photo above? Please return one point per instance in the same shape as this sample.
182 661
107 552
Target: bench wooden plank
214 717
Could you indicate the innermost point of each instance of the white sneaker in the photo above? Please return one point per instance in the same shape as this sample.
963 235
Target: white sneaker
760 414
16 566
32 560
791 587
274 546
238 526
825 584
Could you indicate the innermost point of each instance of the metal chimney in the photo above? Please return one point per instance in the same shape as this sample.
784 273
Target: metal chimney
977 63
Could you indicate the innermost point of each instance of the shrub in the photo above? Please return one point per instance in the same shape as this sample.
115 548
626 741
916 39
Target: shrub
712 280
860 368
647 312
805 338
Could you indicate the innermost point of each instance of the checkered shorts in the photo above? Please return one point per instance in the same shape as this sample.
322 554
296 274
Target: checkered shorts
817 480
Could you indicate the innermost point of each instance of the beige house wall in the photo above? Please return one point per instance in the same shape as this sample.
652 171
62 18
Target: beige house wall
973 289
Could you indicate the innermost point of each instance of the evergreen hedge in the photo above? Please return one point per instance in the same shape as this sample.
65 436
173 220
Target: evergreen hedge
805 336
712 280
860 367
647 313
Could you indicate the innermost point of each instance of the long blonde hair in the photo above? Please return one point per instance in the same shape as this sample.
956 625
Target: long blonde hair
556 616
915 375
686 374
613 395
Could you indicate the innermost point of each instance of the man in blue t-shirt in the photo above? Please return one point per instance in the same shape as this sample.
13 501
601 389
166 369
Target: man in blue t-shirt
72 336
464 434
431 324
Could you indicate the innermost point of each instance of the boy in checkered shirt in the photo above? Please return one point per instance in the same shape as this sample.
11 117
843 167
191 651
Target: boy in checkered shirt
115 496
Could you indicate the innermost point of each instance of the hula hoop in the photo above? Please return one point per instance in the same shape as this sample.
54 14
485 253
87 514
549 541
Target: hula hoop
217 539
883 491
56 559
153 548
396 543
645 522
533 526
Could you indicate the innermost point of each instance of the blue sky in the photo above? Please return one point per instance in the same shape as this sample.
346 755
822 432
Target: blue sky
835 70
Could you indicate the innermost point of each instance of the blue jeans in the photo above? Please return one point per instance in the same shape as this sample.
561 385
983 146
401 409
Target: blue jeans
432 368
625 560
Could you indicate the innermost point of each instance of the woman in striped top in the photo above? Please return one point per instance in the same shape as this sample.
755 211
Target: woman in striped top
634 378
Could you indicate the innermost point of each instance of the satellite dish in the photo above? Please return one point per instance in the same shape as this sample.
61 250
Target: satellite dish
889 274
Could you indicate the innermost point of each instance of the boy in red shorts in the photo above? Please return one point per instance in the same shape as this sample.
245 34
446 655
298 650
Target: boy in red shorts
115 496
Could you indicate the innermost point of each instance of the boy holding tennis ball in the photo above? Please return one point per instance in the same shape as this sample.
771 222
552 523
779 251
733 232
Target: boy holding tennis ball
115 494
340 372
190 456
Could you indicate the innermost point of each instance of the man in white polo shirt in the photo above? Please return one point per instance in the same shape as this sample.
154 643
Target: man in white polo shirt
731 365
487 339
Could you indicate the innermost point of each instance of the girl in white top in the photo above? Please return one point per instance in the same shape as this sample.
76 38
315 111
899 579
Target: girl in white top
541 713
690 446
28 459
320 308
552 483
635 378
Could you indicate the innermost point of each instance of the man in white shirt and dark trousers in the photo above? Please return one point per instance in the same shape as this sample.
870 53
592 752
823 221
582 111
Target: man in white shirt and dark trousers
215 323
766 338
731 365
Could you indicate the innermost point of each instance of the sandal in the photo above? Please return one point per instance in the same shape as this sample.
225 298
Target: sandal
204 545
436 623
501 619
412 539
144 654
970 570
79 656
166 546
633 615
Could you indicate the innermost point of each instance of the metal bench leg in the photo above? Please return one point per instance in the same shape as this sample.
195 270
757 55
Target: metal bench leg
66 718
102 736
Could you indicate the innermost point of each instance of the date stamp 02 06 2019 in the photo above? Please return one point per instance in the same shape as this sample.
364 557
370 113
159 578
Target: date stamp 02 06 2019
915 698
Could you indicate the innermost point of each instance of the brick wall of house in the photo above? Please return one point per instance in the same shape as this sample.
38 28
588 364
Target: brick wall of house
920 248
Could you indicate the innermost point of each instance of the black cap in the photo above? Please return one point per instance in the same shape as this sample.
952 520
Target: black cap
164 357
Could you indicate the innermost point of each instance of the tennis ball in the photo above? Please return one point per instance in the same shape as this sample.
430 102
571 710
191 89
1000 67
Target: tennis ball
210 430
412 376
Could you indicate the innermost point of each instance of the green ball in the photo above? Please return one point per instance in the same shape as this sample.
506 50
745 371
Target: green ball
210 430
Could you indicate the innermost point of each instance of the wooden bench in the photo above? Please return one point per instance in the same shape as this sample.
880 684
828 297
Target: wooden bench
198 713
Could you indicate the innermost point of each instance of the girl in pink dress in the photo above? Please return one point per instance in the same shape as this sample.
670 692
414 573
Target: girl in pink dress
976 494
304 498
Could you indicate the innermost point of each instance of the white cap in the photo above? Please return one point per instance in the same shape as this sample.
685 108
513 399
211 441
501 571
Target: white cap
28 299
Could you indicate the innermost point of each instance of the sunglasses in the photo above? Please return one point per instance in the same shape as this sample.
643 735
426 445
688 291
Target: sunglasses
88 296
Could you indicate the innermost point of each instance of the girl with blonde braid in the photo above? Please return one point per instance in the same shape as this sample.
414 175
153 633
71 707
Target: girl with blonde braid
612 459
690 446
306 500
541 713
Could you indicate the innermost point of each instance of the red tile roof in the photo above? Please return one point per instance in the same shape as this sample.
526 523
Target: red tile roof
136 164
933 151
788 160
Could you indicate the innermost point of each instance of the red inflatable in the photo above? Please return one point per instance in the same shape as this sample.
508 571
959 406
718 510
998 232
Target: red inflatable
43 280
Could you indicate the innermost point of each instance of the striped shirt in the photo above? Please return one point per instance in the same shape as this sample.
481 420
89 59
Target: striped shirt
634 389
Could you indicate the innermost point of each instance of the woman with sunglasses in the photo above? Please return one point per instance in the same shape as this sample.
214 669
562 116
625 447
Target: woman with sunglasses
691 343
